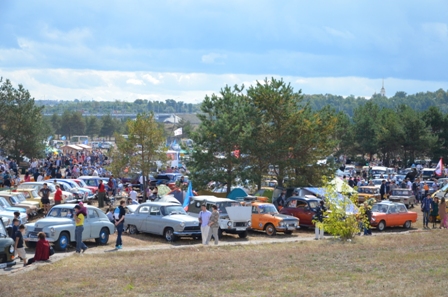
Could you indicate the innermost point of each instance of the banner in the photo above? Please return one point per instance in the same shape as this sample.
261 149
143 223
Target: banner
188 194
178 132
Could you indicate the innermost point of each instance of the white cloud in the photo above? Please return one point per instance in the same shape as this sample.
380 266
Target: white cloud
337 33
213 58
152 79
137 82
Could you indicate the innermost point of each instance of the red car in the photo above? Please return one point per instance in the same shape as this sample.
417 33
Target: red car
389 214
302 208
82 184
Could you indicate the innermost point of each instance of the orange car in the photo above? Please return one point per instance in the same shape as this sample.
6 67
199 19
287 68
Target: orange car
265 217
367 192
388 214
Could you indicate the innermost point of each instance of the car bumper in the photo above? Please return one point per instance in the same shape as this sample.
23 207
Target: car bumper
7 264
288 228
187 233
36 239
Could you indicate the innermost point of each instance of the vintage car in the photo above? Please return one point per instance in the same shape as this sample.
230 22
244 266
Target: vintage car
266 217
389 214
59 227
367 192
32 195
83 184
5 205
20 197
8 216
233 217
302 208
6 248
162 218
404 196
79 193
66 196
442 193
13 199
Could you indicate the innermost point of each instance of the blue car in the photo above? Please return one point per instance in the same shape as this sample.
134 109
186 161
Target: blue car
5 206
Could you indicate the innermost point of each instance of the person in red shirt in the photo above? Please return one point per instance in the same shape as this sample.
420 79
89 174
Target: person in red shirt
42 252
58 195
101 194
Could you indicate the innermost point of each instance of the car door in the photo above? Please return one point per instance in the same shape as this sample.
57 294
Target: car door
95 223
152 223
392 217
291 208
87 226
139 218
255 218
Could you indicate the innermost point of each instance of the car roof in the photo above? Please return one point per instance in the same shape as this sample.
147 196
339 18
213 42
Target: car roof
72 205
261 203
303 198
89 177
211 198
159 203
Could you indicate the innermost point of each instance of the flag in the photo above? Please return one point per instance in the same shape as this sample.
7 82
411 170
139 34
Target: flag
86 141
439 168
63 138
178 132
187 196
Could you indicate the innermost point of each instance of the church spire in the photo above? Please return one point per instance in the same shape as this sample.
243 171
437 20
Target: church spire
383 90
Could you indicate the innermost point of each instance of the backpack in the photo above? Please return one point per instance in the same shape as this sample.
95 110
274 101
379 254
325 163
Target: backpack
117 213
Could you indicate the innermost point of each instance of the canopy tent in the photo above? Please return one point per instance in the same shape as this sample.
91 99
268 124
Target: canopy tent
71 148
237 193
84 146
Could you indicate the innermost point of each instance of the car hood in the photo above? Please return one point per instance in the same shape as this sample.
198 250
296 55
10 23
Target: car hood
399 197
239 213
182 218
12 208
42 223
285 217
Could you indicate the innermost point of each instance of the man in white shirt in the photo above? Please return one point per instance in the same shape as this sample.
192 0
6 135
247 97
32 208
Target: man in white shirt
133 195
409 184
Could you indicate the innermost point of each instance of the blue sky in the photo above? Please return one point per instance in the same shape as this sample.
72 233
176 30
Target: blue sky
107 50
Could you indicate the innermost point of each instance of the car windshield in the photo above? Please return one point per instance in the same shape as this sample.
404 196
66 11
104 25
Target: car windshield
222 206
2 230
174 209
14 200
267 208
401 193
20 197
379 172
81 182
377 181
61 212
314 204
4 203
380 208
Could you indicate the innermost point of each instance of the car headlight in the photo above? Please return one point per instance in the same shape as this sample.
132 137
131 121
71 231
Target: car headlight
249 223
52 231
11 249
229 224
281 224
373 219
182 224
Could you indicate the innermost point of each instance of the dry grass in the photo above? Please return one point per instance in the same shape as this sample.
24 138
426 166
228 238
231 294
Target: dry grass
392 265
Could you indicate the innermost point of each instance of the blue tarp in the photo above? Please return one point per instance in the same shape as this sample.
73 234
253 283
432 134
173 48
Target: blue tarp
237 193
339 198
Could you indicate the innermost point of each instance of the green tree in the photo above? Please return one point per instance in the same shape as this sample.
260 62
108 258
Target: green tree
56 123
143 147
22 126
109 126
366 128
93 126
219 135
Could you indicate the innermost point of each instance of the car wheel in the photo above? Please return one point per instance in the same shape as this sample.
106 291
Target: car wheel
30 244
270 230
381 226
219 233
169 234
133 229
104 237
288 232
407 225
243 235
62 243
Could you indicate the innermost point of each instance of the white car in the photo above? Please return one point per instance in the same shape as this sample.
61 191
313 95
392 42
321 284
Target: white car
59 227
39 185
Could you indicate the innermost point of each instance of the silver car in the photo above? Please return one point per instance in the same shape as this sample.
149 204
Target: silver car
404 196
162 218
59 227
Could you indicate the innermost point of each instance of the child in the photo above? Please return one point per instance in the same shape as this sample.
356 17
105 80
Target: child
20 249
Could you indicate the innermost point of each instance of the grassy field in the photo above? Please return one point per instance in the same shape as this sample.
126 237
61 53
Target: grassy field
391 265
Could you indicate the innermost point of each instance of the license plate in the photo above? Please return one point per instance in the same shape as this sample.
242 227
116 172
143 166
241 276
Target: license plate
240 229
3 265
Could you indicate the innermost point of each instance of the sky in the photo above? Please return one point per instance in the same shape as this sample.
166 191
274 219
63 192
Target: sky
185 50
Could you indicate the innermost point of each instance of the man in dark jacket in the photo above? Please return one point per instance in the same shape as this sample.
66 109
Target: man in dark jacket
383 189
319 216
281 200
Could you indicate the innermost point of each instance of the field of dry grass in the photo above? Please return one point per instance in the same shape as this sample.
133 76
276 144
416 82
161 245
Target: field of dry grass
392 265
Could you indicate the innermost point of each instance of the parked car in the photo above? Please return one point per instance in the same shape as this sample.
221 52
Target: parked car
5 205
82 184
66 196
233 218
389 214
169 179
85 193
265 217
20 197
430 184
441 193
404 196
161 218
13 200
31 195
59 227
303 208
7 249
91 181
367 192
8 216
428 173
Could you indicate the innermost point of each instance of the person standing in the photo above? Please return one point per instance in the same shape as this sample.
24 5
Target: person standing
426 208
383 189
368 219
79 223
119 215
281 200
319 218
58 195
101 194
20 249
204 219
442 213
214 225
44 193
133 196
434 211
